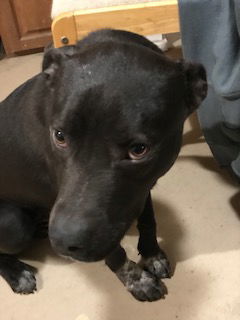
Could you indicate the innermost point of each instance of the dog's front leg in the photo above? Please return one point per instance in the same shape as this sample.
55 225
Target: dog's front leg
17 229
154 260
143 285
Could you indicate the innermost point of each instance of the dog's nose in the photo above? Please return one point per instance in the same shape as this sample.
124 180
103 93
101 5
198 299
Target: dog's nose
68 238
76 240
66 246
78 247
84 239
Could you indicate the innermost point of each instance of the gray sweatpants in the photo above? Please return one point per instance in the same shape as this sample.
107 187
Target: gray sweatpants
211 35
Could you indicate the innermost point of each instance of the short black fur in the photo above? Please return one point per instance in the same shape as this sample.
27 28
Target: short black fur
112 93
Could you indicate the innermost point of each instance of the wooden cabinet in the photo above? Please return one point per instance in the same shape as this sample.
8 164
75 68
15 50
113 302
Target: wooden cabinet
25 24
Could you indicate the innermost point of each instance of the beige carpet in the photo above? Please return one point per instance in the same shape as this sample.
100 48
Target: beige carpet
197 209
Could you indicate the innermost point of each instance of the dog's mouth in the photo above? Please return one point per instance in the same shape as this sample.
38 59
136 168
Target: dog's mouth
83 257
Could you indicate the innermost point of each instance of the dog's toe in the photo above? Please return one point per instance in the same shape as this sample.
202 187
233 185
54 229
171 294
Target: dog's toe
19 275
143 285
157 265
25 283
147 288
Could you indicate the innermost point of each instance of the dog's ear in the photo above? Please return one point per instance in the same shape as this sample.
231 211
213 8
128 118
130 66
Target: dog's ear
53 59
51 62
196 84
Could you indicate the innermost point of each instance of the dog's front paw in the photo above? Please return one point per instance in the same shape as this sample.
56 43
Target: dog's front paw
143 285
20 276
157 265
24 283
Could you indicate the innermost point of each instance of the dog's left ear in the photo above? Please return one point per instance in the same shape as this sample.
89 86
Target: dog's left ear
53 59
51 63
196 84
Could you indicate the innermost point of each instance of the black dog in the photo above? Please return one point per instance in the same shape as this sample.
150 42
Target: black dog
82 143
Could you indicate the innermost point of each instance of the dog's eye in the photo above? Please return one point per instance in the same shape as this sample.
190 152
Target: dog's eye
59 138
138 151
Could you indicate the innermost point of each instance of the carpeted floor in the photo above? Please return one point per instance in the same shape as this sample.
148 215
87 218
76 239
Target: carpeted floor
197 209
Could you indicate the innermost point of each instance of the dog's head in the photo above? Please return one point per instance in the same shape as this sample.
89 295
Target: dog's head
115 127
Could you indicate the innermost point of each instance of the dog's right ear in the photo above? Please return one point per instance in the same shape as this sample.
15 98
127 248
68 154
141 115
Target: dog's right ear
52 61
